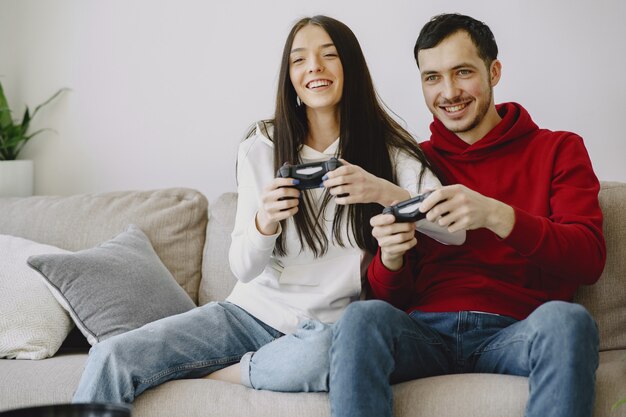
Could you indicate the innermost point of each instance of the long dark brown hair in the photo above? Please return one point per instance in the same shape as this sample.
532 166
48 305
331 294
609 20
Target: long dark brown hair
367 135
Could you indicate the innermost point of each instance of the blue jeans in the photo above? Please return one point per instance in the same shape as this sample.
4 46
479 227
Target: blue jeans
375 345
188 345
298 362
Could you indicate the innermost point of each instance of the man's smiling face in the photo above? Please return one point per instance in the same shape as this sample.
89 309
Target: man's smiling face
458 87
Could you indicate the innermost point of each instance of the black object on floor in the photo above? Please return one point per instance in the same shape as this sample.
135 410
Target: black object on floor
70 410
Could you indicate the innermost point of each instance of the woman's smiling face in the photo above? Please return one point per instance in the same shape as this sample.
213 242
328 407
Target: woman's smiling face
315 69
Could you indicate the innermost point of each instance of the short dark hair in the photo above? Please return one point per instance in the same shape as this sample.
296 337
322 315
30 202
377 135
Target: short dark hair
444 25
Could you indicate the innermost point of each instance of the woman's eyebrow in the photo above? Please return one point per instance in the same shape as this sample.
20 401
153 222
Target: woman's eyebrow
326 45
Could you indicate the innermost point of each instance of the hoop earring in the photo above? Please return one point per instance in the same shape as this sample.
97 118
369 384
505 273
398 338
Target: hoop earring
298 101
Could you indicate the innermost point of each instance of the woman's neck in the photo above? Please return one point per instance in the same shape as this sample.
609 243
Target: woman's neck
323 129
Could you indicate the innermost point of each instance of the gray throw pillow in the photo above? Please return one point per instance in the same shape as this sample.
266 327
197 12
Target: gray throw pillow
113 288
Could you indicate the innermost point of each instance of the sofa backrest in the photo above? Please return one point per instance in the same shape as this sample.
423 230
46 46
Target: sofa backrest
173 219
217 278
606 300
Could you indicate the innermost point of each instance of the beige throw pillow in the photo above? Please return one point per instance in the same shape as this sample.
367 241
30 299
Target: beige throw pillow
32 323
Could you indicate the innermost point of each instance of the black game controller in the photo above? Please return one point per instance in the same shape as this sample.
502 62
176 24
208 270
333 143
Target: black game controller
408 210
310 175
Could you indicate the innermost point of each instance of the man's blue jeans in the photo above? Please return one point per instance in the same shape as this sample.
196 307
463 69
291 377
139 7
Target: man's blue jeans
375 345
188 345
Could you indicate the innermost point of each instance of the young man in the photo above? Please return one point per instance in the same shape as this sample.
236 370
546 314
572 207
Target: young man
500 303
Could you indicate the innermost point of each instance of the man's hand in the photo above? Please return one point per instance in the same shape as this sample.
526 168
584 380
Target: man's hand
278 202
459 208
393 238
351 184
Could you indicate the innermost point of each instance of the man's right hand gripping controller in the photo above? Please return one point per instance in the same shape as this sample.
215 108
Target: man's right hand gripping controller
408 210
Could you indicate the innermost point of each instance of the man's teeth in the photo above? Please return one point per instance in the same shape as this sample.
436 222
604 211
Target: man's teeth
318 83
456 108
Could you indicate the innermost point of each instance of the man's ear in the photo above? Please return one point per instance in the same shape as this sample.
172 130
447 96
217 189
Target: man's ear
495 71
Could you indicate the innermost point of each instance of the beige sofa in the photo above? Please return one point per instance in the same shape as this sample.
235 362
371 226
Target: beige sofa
175 220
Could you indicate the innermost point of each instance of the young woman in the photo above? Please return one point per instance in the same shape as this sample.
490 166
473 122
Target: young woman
298 255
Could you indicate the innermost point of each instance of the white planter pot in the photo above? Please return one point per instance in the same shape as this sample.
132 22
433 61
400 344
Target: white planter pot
16 178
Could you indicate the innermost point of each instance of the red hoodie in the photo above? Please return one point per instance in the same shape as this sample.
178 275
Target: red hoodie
556 243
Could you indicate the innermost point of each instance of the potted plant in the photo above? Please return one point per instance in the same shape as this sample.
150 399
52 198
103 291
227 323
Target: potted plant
16 176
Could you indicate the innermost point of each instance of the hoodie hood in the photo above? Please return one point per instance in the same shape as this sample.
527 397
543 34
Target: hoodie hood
516 123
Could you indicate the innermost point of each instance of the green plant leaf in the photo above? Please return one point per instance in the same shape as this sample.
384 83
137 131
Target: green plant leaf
619 404
25 122
55 95
5 111
14 135
20 144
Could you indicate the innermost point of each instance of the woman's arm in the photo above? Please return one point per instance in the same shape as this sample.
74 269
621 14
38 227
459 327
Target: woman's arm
363 187
260 207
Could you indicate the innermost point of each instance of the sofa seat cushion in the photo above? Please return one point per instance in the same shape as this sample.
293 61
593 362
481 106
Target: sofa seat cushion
31 383
53 380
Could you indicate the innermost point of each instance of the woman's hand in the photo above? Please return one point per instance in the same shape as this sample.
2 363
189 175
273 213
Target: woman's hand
393 238
279 201
352 184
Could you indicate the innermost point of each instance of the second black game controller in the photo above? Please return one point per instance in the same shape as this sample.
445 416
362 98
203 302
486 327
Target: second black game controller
310 175
408 210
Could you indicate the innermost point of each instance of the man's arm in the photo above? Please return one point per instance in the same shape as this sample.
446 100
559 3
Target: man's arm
390 273
459 208
567 241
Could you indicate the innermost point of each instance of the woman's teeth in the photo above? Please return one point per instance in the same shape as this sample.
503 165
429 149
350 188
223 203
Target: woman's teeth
318 83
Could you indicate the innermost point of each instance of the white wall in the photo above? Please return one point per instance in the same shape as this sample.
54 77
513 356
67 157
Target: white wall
163 91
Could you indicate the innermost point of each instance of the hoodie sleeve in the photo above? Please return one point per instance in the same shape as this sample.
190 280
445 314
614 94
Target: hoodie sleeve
250 251
569 242
395 287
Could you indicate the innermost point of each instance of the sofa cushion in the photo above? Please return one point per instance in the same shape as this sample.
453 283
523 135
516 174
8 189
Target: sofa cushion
115 287
28 383
32 323
606 300
174 219
218 280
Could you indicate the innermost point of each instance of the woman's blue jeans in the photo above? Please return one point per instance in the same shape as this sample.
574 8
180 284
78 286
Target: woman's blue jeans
188 345
375 345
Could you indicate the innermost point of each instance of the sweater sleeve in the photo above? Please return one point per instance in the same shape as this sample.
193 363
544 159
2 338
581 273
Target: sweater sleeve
569 242
250 250
395 287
